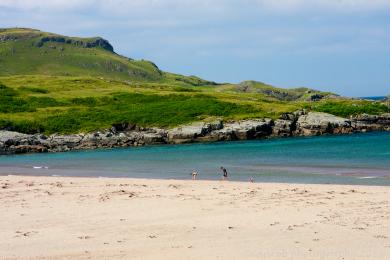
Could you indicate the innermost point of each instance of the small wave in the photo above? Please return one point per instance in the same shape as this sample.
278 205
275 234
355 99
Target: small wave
368 177
55 175
41 167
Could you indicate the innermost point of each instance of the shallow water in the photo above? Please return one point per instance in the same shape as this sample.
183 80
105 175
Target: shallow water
348 159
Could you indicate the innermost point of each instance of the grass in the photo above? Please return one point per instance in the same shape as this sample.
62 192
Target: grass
33 52
58 104
293 94
92 113
346 108
82 104
12 102
56 84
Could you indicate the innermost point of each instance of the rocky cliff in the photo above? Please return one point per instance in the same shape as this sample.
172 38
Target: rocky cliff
299 123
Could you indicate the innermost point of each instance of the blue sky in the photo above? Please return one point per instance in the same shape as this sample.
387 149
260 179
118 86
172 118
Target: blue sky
334 45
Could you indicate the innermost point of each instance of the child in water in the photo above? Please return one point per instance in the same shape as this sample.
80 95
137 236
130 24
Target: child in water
225 174
194 174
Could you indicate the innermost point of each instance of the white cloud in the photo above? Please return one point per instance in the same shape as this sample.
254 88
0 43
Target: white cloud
195 5
45 5
362 5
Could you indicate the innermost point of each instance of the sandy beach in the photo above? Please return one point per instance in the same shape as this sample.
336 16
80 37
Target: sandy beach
103 218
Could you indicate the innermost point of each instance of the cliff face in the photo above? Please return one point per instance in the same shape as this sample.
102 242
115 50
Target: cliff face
299 123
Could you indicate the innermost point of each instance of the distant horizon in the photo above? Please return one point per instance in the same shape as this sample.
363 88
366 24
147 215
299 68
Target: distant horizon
336 46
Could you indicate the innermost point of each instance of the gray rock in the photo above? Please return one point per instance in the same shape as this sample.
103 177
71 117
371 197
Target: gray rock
65 140
188 133
367 122
153 138
283 128
246 129
317 123
9 136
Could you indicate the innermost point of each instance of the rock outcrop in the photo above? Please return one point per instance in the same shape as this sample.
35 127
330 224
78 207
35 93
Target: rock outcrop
243 130
283 128
318 123
366 122
126 135
192 132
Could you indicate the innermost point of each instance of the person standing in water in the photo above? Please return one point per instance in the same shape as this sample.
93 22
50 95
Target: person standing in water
194 174
225 173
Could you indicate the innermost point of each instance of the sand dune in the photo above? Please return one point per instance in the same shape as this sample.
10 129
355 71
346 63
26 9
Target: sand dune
101 218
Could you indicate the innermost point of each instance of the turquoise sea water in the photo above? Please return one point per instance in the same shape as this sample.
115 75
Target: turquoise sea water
347 159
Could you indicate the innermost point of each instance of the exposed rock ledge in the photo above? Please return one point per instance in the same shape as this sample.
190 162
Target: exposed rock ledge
124 135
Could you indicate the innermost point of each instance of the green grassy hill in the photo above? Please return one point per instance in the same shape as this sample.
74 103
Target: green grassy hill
56 84
304 94
31 52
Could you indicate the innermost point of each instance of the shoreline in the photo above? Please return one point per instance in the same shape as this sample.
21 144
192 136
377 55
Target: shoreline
299 123
121 218
189 180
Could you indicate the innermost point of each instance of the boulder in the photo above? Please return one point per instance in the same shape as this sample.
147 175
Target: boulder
153 138
10 138
65 140
367 122
283 127
317 123
188 133
246 129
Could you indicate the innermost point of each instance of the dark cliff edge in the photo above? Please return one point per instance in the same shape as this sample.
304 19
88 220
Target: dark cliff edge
300 123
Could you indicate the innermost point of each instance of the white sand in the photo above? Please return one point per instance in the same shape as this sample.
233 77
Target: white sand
99 218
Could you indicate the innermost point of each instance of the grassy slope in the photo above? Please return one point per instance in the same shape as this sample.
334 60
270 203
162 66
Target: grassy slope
293 94
72 104
53 86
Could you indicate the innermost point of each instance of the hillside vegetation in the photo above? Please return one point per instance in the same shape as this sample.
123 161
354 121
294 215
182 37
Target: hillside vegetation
56 84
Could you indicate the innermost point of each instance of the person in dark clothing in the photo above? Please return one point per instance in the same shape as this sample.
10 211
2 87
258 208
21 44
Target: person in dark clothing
225 173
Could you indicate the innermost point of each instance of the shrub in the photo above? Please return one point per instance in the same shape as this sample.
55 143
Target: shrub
348 108
34 90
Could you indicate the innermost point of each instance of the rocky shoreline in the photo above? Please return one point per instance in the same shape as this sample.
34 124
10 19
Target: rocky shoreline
300 123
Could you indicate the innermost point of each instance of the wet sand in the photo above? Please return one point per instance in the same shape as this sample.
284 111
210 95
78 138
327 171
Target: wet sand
102 218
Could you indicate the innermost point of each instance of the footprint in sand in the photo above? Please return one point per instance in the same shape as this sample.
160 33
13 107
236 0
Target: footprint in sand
25 234
103 198
84 237
5 186
381 236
